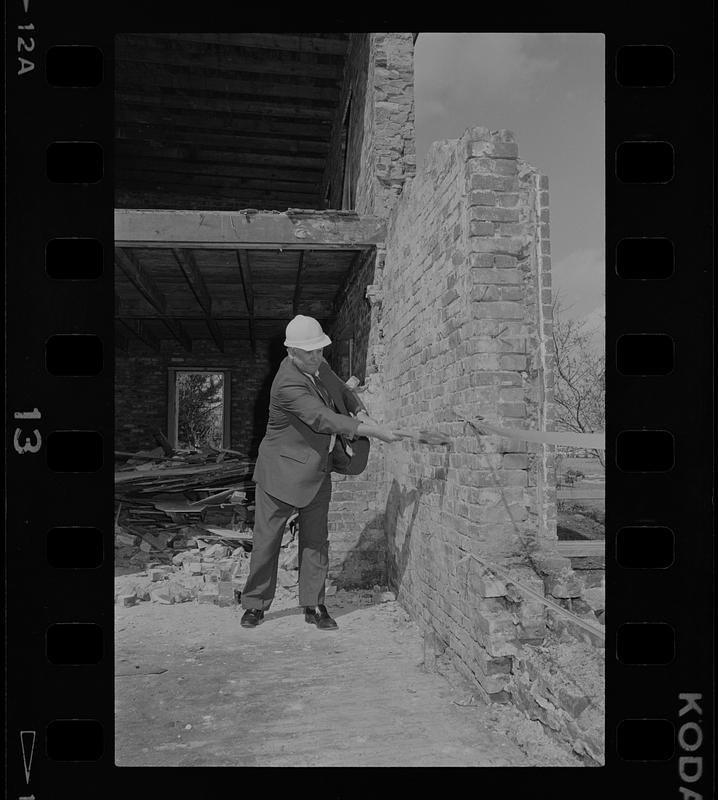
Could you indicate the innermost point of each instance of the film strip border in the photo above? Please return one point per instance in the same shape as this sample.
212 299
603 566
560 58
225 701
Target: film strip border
60 414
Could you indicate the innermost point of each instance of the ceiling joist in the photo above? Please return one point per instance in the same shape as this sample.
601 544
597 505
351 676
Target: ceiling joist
189 267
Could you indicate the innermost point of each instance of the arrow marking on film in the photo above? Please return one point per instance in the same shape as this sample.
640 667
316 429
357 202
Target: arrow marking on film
27 742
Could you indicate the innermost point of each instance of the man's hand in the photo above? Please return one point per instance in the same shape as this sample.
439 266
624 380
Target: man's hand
362 416
377 432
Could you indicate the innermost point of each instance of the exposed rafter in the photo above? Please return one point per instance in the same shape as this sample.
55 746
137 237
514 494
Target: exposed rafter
148 289
246 276
189 267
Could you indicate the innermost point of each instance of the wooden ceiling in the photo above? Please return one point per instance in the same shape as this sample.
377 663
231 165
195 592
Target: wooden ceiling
225 121
192 293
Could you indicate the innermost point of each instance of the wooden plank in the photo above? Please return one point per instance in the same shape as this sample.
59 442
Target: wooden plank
171 197
229 123
298 283
143 135
296 228
331 44
193 153
277 179
136 77
239 105
224 59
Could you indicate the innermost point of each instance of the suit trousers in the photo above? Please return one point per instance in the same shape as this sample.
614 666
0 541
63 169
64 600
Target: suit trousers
270 519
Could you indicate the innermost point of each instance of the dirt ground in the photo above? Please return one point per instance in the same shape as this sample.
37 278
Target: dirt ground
193 688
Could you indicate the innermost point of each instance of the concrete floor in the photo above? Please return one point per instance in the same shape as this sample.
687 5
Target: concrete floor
287 694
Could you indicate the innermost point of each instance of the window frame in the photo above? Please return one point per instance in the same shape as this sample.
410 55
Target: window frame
172 418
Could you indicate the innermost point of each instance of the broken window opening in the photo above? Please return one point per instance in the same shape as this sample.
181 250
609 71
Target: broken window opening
199 409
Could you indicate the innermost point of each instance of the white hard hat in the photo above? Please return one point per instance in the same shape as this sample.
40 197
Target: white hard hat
305 333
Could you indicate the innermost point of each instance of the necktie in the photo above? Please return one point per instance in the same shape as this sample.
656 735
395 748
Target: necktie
324 392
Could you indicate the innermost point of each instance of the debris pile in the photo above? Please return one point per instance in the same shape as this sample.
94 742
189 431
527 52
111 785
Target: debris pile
211 568
183 527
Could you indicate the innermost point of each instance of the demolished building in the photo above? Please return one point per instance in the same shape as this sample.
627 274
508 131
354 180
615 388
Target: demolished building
263 175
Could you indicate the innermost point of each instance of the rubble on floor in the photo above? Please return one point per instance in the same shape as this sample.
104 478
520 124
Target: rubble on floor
183 525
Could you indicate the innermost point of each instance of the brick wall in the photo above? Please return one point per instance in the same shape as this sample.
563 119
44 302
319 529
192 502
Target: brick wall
459 323
141 389
379 74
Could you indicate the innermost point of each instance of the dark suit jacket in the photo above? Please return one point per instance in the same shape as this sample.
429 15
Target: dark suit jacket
293 458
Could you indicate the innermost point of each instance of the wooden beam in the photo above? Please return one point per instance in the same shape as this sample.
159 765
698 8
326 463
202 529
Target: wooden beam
141 332
246 276
333 44
298 284
191 271
294 229
297 110
130 196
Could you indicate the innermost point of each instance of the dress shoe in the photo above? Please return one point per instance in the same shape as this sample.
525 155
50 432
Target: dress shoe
320 618
252 617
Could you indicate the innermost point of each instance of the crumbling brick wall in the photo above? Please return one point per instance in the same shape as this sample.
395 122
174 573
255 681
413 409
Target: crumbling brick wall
379 79
141 389
459 327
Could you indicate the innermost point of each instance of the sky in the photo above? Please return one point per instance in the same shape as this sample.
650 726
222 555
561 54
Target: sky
549 90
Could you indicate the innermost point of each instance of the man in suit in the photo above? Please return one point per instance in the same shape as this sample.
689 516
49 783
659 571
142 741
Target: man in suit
293 470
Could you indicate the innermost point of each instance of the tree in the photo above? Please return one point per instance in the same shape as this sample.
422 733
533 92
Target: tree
200 398
580 376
